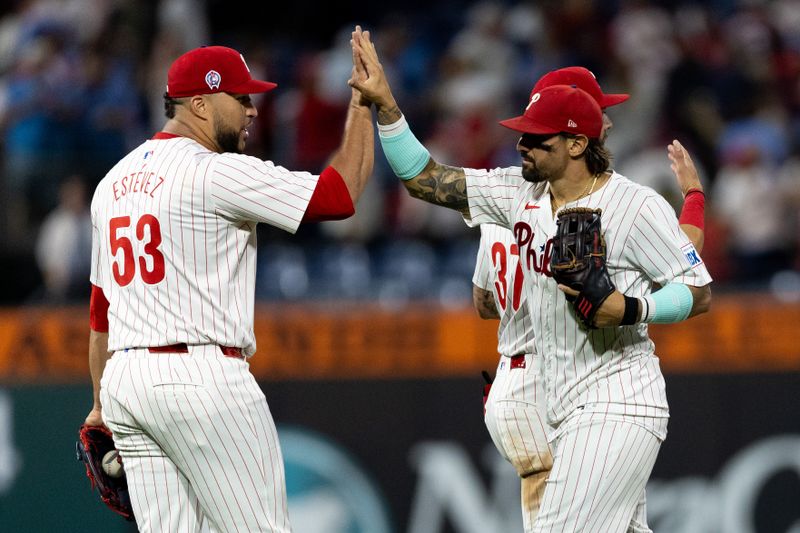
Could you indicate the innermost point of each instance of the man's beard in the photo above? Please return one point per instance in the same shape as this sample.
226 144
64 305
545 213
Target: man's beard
227 139
533 175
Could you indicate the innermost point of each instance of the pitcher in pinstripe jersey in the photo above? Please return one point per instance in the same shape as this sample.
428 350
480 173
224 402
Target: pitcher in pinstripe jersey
173 274
604 391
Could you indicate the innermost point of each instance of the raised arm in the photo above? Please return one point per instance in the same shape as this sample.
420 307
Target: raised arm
692 214
423 177
355 157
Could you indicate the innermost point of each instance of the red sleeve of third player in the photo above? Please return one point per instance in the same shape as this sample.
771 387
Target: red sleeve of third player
694 208
98 310
330 200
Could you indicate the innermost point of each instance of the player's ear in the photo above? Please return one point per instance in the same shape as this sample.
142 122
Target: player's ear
577 145
199 105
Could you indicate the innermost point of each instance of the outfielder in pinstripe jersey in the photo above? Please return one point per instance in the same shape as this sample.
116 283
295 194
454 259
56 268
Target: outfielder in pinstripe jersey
173 274
604 391
515 411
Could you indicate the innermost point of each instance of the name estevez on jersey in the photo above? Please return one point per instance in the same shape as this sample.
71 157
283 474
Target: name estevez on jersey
137 182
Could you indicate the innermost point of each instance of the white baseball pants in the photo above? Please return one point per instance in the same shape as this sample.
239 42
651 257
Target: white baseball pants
601 464
197 440
515 417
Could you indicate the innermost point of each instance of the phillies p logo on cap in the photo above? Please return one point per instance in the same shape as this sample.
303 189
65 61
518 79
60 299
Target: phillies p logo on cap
560 109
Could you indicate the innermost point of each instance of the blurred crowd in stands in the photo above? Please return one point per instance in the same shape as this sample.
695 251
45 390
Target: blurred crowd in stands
81 83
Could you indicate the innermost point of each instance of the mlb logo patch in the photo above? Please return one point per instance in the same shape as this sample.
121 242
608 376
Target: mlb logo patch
691 255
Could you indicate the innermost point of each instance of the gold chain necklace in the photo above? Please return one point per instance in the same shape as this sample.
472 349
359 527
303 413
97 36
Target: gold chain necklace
584 193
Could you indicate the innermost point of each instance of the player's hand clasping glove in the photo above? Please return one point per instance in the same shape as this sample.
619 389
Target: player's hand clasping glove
93 443
578 260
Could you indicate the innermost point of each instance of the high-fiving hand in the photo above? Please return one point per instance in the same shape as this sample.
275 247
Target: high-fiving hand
368 76
682 165
688 180
359 72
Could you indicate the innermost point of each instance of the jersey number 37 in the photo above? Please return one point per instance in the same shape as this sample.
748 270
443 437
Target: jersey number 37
148 231
500 259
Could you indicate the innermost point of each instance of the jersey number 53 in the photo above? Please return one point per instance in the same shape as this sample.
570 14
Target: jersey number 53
125 270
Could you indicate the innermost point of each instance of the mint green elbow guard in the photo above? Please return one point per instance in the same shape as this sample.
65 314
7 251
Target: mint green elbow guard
672 303
405 154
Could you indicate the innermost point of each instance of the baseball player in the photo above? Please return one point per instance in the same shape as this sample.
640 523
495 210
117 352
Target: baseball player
173 274
604 392
515 411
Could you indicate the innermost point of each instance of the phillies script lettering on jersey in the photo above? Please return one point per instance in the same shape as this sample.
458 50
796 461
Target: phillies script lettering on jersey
537 260
174 245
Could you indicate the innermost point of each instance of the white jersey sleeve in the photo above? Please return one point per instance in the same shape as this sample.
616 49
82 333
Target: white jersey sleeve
249 189
482 277
491 195
659 246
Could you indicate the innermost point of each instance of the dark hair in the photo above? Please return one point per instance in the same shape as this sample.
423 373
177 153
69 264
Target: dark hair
170 104
598 158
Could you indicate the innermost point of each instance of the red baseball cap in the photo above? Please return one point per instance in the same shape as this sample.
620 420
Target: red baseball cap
212 69
582 78
559 109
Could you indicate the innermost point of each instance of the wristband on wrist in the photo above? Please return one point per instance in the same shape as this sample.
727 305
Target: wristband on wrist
672 303
631 314
395 128
694 206
647 314
405 154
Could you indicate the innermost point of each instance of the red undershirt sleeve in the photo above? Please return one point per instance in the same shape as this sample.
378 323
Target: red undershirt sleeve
330 200
98 310
693 212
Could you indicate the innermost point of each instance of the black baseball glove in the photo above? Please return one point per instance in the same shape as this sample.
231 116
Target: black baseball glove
578 260
93 443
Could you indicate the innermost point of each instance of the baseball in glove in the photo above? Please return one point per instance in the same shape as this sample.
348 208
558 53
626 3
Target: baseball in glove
578 260
94 442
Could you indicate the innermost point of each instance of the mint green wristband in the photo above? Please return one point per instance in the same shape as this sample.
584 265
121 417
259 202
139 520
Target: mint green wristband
672 303
405 153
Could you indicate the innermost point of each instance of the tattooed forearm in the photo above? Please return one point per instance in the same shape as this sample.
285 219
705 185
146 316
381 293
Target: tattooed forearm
441 185
484 303
389 114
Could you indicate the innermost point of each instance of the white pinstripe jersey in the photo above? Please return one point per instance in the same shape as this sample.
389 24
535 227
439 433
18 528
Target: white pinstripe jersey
615 367
174 242
499 270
